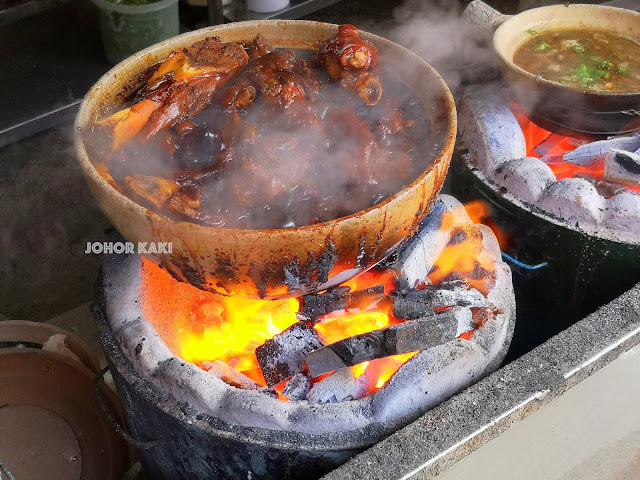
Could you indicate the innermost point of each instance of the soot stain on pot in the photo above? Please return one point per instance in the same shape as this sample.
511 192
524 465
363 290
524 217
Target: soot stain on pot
258 275
175 274
361 261
326 260
224 269
295 275
190 273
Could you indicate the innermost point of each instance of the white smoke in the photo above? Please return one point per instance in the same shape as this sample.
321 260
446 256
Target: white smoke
436 30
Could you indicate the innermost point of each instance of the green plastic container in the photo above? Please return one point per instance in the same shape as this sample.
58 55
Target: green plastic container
127 29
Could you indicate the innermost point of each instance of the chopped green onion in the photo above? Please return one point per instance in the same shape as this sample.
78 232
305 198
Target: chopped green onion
624 70
602 63
532 32
543 47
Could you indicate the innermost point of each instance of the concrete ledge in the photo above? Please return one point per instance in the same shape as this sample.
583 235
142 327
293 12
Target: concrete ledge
462 424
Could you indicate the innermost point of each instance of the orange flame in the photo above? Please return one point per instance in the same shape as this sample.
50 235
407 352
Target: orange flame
558 146
200 326
465 258
479 212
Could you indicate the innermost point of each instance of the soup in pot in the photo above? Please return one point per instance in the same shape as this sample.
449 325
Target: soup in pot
583 59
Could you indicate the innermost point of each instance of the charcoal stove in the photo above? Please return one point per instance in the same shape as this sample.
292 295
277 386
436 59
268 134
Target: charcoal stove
200 421
574 235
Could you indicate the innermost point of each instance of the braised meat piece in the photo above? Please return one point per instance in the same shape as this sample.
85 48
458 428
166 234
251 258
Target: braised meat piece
360 157
259 47
238 96
268 167
300 116
365 83
181 87
193 74
283 77
151 190
393 129
352 143
196 147
351 60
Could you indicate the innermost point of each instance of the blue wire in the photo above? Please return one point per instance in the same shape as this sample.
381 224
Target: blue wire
509 258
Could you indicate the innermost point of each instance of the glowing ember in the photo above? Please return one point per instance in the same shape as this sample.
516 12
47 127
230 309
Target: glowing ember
200 326
465 258
550 148
479 212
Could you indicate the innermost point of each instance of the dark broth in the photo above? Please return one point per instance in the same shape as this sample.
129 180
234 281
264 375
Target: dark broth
584 59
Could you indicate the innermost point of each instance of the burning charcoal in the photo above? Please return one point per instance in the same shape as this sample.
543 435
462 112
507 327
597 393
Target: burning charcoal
315 305
418 303
230 375
404 337
623 212
366 298
525 177
283 356
298 387
574 200
622 167
337 387
489 129
587 154
604 188
549 147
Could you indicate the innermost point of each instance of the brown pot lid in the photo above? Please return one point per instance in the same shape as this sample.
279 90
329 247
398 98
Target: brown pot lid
52 425
38 443
39 333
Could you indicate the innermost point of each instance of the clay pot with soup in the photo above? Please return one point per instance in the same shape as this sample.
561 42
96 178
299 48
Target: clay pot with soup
276 158
573 68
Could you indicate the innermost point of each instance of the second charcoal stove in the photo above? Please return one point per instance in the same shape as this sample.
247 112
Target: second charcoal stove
575 235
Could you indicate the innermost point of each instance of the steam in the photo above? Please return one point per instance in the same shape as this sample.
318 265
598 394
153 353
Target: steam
436 30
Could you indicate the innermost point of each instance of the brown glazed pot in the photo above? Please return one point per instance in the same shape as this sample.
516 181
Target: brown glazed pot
280 262
557 106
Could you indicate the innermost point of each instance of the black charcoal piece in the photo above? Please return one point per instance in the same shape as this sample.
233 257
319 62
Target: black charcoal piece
404 337
622 167
284 355
587 154
418 303
366 298
316 305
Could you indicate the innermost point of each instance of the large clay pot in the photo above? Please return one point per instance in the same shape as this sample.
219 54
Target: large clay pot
282 262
